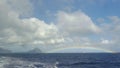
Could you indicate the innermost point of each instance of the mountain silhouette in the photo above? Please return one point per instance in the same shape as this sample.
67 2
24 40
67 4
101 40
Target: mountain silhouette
2 50
35 50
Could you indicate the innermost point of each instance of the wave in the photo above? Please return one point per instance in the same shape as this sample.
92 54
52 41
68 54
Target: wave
15 62
10 62
88 63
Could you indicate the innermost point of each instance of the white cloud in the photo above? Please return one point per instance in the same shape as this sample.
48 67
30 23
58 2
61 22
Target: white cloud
76 23
33 31
105 41
111 31
114 19
114 27
48 33
24 31
71 28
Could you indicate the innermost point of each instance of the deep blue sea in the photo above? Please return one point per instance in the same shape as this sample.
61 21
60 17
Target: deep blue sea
64 60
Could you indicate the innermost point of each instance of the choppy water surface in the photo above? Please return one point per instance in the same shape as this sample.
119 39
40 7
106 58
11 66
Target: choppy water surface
78 60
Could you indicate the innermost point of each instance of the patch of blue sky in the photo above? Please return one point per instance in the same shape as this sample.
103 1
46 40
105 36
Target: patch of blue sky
46 9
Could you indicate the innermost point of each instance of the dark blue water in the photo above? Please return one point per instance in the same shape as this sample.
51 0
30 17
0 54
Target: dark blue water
78 60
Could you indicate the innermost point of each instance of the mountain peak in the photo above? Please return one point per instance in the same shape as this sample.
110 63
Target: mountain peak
35 50
2 50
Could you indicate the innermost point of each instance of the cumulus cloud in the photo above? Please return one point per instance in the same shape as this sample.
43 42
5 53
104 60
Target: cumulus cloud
103 41
31 32
115 24
21 32
76 23
48 33
111 32
115 27
112 27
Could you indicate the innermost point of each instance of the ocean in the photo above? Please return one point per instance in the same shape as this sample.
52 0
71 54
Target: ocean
60 60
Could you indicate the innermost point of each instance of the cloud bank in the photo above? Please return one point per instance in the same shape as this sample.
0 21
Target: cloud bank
20 31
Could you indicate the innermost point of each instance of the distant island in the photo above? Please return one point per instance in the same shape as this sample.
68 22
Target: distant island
2 50
35 50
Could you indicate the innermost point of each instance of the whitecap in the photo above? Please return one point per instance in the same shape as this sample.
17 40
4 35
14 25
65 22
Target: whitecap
10 62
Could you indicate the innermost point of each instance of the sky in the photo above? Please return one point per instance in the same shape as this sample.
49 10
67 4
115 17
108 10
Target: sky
60 25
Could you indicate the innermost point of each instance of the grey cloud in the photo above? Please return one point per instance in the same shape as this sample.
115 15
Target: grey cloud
23 31
72 28
22 7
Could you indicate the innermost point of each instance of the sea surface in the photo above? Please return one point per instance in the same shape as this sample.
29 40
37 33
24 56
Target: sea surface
60 60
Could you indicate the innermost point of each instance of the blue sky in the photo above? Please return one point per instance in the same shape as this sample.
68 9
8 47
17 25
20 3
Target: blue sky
52 24
94 8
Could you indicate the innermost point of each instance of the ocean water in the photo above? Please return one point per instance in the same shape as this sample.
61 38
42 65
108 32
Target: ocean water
64 60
